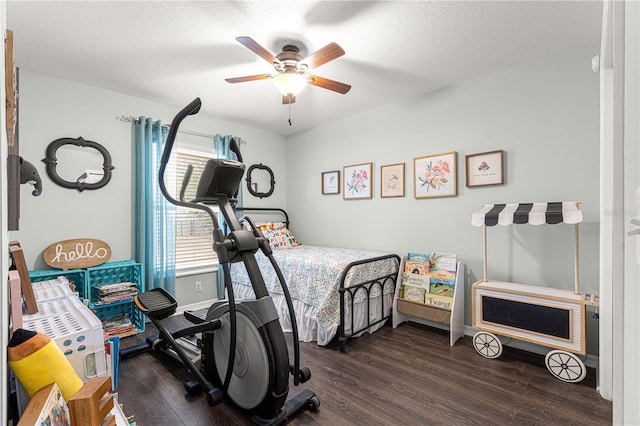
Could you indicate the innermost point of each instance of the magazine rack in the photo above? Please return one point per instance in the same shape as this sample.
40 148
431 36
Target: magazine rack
408 310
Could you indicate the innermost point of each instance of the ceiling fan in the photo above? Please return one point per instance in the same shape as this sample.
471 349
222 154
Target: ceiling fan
291 69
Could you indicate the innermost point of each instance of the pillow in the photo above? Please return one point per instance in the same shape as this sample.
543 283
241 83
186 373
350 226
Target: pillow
280 238
265 226
37 361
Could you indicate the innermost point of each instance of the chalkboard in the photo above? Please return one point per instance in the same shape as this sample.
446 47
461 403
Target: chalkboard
546 320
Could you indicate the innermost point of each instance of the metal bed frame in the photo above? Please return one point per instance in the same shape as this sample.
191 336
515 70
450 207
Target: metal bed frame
353 289
366 286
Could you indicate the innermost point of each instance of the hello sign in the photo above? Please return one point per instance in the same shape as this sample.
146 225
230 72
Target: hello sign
76 254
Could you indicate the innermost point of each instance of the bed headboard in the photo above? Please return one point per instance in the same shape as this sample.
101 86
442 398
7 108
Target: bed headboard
265 214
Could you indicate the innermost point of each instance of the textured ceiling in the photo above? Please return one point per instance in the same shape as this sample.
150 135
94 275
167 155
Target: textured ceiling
172 51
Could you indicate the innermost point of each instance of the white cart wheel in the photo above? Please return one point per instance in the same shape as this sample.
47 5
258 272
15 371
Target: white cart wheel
487 345
565 366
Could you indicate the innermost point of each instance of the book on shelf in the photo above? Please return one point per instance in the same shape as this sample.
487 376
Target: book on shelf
111 287
430 279
119 325
114 292
417 263
46 408
416 270
112 349
442 274
441 260
413 293
443 302
416 280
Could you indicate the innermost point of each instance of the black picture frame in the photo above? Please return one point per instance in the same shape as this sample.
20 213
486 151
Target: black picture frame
52 162
252 187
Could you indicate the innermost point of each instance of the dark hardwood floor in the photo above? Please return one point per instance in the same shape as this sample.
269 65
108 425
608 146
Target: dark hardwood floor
406 376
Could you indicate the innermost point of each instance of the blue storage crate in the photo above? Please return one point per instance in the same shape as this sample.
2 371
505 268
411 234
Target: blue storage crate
129 310
116 272
76 276
113 272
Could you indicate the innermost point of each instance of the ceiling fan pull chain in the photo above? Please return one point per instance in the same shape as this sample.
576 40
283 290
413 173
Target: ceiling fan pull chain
289 114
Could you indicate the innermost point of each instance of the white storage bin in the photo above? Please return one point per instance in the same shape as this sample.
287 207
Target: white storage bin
54 289
76 330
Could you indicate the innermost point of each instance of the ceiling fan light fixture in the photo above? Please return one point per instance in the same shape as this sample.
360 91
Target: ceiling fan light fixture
291 68
290 84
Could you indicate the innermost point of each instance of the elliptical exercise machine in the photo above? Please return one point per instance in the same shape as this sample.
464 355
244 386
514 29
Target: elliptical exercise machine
244 355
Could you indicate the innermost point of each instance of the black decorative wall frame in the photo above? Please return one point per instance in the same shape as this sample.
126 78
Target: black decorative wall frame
272 182
52 162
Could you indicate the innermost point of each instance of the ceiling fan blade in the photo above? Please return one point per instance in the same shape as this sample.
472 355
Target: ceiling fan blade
326 83
252 45
288 99
248 78
328 53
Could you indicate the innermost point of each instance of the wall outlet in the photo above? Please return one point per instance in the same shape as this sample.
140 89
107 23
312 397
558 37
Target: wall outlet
198 286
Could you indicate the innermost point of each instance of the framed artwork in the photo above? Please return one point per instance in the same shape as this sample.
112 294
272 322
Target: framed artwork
435 176
357 181
331 182
392 180
485 168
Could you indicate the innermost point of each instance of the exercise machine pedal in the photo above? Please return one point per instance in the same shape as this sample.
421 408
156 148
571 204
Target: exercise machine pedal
156 303
196 317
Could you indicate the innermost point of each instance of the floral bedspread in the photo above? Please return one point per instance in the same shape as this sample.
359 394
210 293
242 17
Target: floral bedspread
312 274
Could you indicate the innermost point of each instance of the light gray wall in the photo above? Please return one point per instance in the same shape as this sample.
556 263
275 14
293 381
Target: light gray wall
51 108
544 115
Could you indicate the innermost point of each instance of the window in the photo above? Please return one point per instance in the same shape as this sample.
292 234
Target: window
194 233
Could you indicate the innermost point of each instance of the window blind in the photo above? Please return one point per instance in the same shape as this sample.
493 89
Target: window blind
194 233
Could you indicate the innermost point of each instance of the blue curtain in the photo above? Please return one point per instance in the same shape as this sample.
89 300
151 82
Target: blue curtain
154 223
221 145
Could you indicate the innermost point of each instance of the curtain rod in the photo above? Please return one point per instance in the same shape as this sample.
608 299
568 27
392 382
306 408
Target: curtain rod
132 119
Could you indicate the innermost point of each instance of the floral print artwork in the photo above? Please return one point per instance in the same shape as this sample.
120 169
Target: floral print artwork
484 168
357 181
435 175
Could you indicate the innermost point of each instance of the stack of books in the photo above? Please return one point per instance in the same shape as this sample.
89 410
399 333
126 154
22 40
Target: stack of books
118 325
415 278
430 279
114 292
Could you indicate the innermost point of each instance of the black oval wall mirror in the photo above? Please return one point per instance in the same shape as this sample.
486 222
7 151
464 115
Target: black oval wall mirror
82 181
260 176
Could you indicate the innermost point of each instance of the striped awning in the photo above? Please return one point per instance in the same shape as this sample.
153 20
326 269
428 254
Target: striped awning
531 213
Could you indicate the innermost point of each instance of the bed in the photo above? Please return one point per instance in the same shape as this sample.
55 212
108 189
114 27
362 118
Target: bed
337 292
